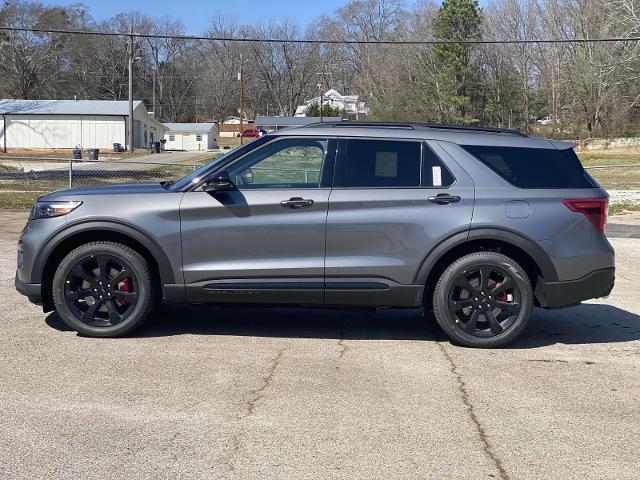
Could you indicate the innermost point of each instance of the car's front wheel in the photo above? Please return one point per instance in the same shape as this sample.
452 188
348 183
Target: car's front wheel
483 299
103 289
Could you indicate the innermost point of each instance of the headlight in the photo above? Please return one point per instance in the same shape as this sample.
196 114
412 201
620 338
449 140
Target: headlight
52 209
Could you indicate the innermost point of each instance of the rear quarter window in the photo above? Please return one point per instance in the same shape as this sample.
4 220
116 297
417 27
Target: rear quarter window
534 167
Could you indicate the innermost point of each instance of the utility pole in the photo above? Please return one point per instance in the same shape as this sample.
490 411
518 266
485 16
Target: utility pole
241 80
321 100
131 91
322 74
153 100
155 66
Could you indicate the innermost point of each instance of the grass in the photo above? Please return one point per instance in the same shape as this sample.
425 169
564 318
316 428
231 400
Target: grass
627 178
622 208
13 179
610 157
18 200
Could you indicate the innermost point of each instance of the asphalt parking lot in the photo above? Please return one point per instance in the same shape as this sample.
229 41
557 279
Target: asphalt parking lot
260 394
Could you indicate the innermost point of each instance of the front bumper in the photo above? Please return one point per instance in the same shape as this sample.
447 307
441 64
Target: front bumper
33 291
596 284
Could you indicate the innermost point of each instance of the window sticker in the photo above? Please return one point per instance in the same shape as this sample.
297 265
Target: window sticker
386 164
436 173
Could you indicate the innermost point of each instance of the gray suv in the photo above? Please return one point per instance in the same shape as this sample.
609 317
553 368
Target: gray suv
479 225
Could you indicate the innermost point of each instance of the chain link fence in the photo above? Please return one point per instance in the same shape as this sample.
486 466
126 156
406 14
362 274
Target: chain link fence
22 180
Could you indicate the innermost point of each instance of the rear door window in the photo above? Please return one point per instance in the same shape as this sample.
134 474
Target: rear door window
382 163
534 167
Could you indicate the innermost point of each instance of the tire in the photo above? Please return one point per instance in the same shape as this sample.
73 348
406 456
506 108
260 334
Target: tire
483 300
104 289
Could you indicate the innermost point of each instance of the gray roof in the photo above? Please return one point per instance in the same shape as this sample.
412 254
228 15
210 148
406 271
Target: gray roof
189 127
291 121
66 107
455 134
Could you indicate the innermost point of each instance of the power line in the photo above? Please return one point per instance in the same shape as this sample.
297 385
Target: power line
325 41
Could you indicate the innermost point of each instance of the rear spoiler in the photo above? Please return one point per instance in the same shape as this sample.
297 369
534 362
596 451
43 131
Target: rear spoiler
560 145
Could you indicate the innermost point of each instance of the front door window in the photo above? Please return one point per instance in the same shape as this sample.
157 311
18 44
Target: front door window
288 163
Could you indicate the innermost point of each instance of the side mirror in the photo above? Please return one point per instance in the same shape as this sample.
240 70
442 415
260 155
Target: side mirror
218 182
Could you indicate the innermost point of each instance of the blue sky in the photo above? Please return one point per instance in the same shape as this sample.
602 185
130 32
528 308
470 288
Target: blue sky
196 14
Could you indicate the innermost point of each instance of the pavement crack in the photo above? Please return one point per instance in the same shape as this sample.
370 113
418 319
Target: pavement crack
480 429
257 394
547 360
343 348
231 459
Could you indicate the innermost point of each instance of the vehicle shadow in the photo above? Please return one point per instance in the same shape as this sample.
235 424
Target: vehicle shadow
584 324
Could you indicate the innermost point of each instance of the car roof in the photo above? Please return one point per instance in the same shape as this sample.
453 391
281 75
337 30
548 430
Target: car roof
458 134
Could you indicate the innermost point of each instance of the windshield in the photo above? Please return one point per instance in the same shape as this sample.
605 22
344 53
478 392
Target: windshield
196 175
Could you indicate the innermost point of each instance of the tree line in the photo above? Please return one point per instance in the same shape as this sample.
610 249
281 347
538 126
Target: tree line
582 89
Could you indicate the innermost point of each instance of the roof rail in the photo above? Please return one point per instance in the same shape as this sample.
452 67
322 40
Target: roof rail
412 126
473 128
407 126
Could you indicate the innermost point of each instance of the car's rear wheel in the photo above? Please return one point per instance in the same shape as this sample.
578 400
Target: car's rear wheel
103 289
483 299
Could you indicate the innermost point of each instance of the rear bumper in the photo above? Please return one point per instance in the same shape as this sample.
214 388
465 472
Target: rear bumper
596 284
33 291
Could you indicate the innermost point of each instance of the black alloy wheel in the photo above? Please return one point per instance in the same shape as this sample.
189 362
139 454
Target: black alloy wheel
483 299
101 290
104 289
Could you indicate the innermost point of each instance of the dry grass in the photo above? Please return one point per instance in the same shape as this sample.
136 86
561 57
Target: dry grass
67 153
629 156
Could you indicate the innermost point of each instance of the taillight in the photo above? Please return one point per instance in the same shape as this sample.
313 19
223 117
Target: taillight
595 209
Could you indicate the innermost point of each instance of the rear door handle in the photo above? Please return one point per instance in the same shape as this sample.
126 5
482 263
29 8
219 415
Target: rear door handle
444 199
297 202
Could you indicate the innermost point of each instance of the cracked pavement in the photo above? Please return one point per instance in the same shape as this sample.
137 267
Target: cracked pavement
305 393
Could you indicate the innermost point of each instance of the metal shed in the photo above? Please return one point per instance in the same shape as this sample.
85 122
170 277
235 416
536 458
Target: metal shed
53 124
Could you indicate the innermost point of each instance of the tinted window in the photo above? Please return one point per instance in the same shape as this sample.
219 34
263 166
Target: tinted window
435 174
382 163
534 167
288 163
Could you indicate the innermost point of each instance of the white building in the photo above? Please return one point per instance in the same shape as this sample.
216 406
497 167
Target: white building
50 124
191 136
350 104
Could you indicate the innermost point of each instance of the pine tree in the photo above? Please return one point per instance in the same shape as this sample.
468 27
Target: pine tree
457 20
313 110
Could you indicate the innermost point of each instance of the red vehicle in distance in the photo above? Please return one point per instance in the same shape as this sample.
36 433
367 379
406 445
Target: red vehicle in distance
250 134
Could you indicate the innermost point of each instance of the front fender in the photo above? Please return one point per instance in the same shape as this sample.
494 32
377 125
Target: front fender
118 226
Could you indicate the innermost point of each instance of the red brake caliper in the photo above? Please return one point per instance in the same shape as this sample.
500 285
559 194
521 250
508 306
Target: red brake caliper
502 298
124 286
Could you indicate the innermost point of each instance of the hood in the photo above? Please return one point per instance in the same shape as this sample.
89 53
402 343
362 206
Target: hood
124 189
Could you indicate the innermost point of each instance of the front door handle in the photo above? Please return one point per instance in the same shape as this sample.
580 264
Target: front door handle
297 202
444 199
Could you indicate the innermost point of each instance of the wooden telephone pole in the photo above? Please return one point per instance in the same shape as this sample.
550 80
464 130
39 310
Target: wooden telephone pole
130 123
241 80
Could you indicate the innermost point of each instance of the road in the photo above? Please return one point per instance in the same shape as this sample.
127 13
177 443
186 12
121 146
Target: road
301 393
